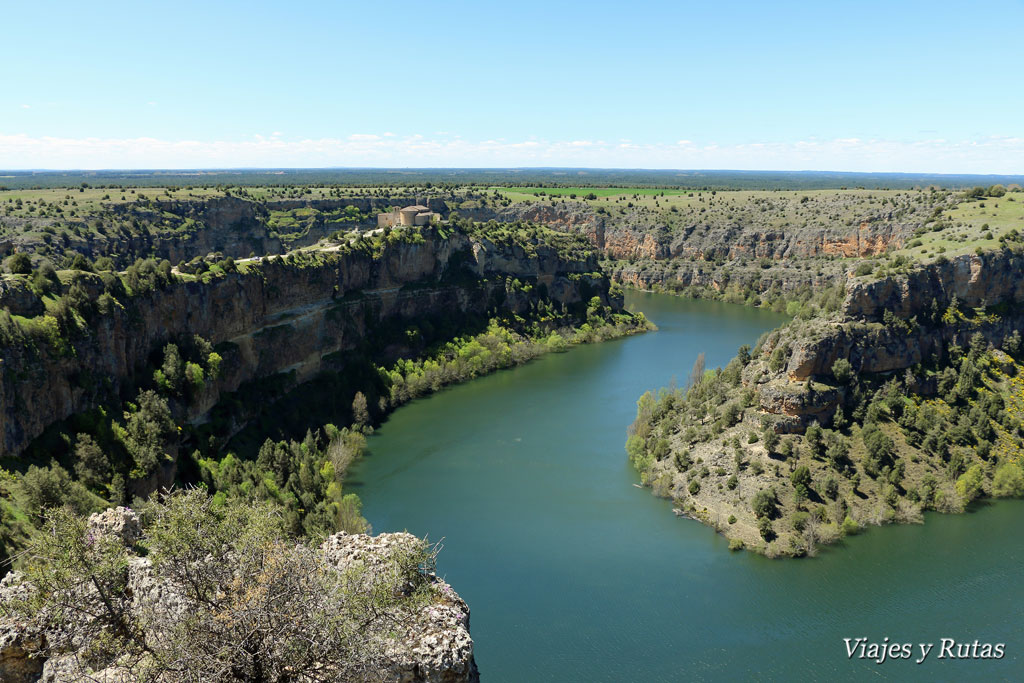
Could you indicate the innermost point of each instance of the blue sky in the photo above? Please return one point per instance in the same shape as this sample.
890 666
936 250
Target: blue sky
895 86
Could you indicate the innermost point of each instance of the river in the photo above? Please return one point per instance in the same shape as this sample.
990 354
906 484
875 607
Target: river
574 574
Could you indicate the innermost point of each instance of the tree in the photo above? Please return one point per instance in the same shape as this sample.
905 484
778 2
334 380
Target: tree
880 449
1011 344
1008 481
20 264
815 439
744 354
169 376
969 485
249 603
842 371
801 480
360 414
771 440
91 463
80 262
764 504
148 432
44 488
697 372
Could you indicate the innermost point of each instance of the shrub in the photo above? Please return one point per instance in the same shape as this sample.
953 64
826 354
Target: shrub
20 264
969 484
1008 481
238 578
764 504
850 527
44 488
842 371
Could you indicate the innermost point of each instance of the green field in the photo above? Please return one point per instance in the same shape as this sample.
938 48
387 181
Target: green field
969 226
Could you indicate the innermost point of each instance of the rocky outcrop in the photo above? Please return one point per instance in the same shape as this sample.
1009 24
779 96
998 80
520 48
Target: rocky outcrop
985 279
433 645
436 647
17 298
801 404
921 328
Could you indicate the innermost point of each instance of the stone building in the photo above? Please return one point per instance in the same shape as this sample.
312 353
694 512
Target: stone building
409 215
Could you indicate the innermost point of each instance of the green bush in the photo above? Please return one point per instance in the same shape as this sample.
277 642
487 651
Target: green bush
1008 481
850 527
20 264
799 521
842 371
764 504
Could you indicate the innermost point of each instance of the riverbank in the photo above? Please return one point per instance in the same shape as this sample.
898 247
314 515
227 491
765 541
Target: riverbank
523 476
906 400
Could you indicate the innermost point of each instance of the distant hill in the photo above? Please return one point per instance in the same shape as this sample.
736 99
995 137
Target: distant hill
576 177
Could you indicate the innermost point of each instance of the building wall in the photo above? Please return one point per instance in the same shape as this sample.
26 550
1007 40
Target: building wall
386 220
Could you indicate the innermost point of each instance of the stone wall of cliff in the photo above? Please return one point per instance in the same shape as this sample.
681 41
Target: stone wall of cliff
643 234
921 326
278 315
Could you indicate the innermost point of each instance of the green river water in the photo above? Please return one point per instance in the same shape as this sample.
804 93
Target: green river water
573 574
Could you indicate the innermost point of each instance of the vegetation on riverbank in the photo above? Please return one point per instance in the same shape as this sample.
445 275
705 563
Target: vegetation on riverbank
829 424
124 449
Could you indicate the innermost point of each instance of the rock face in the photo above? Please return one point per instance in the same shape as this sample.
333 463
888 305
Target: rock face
640 233
18 299
859 336
974 279
787 276
280 315
437 647
433 647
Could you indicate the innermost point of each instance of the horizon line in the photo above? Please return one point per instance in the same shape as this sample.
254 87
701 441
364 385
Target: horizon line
183 169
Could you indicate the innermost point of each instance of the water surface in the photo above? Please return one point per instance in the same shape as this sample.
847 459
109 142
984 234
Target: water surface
573 574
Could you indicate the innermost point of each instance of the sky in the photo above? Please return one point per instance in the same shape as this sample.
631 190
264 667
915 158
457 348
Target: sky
846 86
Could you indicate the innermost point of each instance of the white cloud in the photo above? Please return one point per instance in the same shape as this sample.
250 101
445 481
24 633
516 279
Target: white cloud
984 155
26 106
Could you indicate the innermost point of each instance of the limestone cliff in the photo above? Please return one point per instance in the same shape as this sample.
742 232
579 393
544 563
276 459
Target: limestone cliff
642 233
276 315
